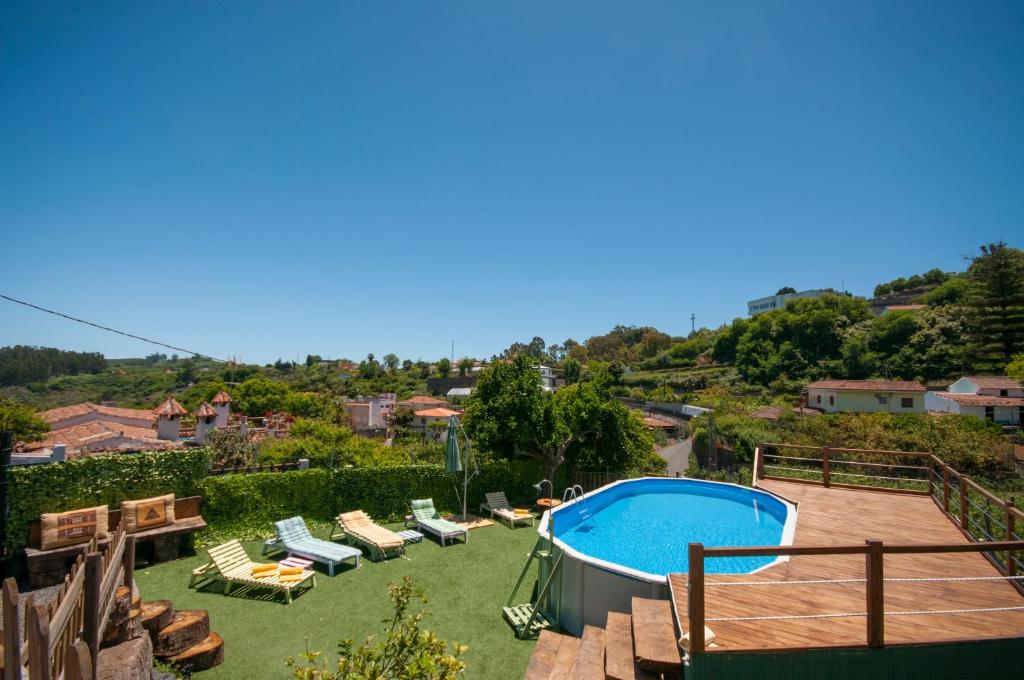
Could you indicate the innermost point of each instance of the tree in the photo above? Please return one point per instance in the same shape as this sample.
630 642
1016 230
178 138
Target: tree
785 290
391 362
510 415
406 651
465 366
444 367
572 370
256 396
369 368
995 310
408 365
22 421
312 360
1015 369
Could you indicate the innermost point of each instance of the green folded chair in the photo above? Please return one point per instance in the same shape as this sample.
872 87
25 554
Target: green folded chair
428 519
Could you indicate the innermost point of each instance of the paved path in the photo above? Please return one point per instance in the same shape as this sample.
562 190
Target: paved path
677 456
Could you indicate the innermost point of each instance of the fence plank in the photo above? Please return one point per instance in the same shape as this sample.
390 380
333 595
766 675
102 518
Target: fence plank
12 641
91 624
78 665
38 628
825 468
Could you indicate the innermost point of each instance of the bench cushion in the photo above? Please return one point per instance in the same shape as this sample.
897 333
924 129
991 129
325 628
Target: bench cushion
60 529
147 513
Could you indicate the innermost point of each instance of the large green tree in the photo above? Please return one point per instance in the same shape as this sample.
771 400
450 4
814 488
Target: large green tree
511 415
22 421
995 306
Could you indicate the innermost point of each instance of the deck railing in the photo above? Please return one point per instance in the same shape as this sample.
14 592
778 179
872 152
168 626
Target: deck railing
62 639
900 471
874 583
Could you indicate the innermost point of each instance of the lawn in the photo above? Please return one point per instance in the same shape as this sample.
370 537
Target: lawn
466 586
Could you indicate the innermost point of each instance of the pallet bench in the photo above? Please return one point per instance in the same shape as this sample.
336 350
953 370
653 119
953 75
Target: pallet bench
48 567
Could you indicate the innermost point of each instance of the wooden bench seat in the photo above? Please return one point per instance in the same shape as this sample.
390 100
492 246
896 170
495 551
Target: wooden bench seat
47 567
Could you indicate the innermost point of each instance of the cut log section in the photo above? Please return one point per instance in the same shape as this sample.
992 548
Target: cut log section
157 615
187 628
207 654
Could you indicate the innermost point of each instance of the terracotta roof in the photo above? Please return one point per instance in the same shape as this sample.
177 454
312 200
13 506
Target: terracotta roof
93 434
169 408
56 415
221 398
657 422
422 399
981 399
994 382
205 411
437 413
868 385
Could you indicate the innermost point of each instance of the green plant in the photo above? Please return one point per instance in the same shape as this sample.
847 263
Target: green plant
407 650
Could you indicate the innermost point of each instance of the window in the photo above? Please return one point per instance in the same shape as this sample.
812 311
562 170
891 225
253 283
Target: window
831 400
819 399
990 412
1004 393
907 402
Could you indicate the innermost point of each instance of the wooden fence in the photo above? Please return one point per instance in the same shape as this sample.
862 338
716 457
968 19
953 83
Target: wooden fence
874 552
62 639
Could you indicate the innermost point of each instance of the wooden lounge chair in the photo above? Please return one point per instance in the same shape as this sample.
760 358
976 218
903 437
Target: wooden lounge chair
358 529
499 507
297 540
231 564
428 519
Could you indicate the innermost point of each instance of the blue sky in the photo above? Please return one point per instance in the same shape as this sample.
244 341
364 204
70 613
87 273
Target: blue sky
270 180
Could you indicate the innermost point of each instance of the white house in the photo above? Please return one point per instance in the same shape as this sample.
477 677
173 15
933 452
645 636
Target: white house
548 380
168 419
767 304
997 398
890 396
372 413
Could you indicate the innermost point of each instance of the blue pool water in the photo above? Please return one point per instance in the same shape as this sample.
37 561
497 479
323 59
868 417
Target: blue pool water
646 524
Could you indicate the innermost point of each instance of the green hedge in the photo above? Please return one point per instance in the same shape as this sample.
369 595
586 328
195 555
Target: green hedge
95 480
246 505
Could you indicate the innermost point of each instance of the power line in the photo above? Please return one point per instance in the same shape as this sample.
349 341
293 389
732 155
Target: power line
114 330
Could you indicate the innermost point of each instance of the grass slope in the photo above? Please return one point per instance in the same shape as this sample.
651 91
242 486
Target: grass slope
466 586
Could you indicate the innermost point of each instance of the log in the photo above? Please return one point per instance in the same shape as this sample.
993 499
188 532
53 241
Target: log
186 629
166 548
207 654
157 615
132 660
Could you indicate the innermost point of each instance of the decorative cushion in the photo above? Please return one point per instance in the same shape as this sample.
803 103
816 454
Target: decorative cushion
60 529
147 513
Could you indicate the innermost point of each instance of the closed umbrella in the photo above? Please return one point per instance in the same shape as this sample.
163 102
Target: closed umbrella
452 457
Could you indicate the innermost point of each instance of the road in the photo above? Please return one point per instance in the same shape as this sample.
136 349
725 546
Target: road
677 456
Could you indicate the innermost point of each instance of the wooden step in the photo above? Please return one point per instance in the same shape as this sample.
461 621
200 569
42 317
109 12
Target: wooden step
589 663
157 615
619 663
553 657
207 654
654 637
186 629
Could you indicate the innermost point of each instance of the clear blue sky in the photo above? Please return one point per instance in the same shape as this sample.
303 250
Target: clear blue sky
271 180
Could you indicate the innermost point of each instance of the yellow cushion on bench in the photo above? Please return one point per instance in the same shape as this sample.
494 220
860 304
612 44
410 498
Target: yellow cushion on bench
290 578
59 529
291 570
147 513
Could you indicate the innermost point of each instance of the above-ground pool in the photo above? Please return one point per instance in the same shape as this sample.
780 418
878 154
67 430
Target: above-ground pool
623 539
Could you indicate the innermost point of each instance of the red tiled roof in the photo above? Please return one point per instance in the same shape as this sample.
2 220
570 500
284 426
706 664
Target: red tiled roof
422 399
169 408
221 398
437 413
91 435
65 412
205 411
981 399
657 422
994 382
868 385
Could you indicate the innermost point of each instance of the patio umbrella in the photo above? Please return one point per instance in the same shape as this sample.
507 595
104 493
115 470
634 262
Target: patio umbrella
452 455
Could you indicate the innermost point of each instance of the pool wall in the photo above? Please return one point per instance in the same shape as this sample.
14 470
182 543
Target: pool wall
588 588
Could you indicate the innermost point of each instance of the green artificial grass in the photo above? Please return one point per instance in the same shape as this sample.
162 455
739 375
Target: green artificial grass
466 587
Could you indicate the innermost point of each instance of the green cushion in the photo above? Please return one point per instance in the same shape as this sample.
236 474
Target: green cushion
424 509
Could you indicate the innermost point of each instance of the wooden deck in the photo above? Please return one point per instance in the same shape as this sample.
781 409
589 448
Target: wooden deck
843 517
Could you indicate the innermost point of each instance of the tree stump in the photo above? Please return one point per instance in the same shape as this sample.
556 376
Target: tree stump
186 629
207 654
131 660
157 615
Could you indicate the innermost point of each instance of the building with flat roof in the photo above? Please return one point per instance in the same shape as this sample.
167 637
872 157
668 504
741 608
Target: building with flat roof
772 302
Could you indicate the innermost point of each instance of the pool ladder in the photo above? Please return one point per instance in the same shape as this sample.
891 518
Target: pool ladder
582 506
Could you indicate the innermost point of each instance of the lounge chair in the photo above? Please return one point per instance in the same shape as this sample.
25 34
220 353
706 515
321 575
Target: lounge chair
428 519
231 564
499 507
297 540
358 529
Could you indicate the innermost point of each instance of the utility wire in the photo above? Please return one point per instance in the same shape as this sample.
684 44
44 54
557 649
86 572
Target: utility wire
114 330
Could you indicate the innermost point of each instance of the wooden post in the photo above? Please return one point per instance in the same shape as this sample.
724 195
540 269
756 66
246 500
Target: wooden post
12 641
964 514
931 480
91 625
945 487
875 592
128 562
825 467
695 598
1011 529
77 663
38 627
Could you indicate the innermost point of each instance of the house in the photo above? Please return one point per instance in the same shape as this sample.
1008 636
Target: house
423 418
460 392
996 398
548 380
890 396
371 413
89 428
421 401
767 304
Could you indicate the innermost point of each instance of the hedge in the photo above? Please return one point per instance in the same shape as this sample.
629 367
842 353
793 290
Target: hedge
247 504
96 480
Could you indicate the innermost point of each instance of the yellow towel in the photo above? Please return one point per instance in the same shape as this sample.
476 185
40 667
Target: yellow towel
521 511
263 573
290 578
264 567
290 570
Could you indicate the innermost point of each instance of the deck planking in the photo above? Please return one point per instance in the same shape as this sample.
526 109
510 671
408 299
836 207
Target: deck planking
843 517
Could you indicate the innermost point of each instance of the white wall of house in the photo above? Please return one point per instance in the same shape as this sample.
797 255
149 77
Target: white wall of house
168 427
223 412
204 426
832 401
